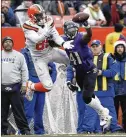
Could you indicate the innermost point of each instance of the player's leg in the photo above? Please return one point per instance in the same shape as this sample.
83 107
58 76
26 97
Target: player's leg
88 120
45 83
42 70
80 79
93 101
59 56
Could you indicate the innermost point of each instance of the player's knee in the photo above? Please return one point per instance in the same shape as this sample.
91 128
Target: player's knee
48 84
87 100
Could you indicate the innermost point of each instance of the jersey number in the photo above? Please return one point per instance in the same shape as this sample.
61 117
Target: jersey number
75 58
42 45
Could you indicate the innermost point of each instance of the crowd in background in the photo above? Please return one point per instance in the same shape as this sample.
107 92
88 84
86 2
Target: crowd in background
100 13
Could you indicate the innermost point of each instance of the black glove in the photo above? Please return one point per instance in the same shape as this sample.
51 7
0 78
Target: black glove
72 87
85 23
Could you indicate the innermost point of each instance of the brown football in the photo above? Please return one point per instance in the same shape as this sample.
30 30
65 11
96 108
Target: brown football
80 17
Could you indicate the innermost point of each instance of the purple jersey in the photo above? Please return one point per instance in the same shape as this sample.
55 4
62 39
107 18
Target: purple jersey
80 55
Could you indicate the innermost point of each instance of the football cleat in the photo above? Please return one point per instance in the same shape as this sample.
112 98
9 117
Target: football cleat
105 120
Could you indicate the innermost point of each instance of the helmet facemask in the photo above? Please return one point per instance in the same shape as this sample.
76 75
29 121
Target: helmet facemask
71 32
40 18
70 29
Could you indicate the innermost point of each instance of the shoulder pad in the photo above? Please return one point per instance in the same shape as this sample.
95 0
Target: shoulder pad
30 26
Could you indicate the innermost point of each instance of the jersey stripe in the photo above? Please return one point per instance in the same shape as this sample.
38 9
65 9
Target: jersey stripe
26 26
52 24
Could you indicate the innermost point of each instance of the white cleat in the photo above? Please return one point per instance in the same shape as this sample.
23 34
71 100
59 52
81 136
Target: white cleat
105 123
105 120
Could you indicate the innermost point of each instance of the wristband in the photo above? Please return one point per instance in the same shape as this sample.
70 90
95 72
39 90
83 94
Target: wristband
63 43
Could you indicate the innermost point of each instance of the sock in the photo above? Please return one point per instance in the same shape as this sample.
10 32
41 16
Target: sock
96 105
38 87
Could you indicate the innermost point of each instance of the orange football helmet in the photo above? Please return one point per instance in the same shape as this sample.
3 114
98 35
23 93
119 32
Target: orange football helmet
37 14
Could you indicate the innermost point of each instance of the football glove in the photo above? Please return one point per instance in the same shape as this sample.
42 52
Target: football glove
72 87
68 45
86 24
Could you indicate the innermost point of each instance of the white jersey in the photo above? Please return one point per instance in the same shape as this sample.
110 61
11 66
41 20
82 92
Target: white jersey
37 37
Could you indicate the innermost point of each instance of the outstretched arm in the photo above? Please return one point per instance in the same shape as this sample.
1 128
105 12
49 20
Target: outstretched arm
87 36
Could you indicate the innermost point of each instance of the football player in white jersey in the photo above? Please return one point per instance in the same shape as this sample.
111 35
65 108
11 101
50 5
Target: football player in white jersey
38 30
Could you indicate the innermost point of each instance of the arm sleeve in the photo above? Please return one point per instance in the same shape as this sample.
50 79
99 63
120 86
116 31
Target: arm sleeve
112 70
24 71
35 37
70 73
56 37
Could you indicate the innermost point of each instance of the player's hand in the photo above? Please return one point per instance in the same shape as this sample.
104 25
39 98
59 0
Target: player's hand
86 24
68 45
49 31
72 87
48 27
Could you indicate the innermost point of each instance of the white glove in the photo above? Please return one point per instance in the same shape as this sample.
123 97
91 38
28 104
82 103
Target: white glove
68 45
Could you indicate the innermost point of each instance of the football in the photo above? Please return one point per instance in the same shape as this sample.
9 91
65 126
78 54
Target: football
80 17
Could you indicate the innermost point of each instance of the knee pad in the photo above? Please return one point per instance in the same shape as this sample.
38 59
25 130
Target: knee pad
87 100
